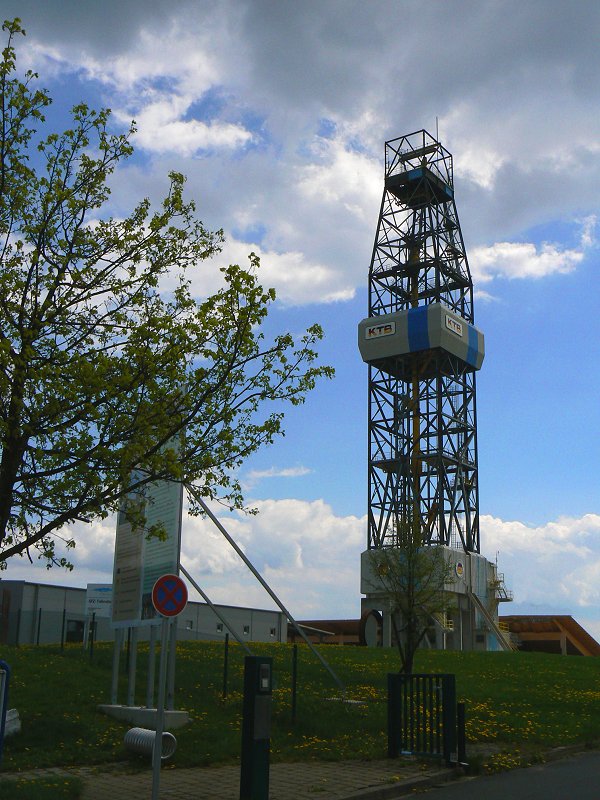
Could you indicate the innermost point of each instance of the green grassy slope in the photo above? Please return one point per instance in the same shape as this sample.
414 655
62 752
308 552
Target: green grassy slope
514 699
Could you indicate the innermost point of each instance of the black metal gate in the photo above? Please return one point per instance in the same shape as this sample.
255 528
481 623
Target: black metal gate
422 716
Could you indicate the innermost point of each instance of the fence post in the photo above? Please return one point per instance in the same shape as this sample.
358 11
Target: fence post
62 630
461 736
225 666
114 688
92 635
128 654
132 667
171 665
394 713
151 668
39 625
18 632
294 680
449 717
4 686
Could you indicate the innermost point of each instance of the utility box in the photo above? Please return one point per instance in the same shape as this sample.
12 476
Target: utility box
256 728
390 342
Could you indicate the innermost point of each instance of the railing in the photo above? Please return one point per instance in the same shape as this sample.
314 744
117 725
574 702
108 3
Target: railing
422 717
499 588
504 641
444 621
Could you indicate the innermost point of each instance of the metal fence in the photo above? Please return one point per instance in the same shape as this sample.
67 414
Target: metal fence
51 627
422 717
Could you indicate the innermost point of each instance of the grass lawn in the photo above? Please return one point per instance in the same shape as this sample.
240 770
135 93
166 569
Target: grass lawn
515 701
40 789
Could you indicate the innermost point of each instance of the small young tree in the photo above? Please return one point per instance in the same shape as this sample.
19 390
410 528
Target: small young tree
107 383
414 578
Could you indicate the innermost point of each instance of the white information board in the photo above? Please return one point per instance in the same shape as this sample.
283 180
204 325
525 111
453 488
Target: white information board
140 561
98 599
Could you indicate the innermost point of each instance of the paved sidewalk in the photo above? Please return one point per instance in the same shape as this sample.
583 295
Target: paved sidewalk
322 780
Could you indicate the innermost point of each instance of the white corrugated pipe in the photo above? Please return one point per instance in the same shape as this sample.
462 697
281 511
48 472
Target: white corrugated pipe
141 740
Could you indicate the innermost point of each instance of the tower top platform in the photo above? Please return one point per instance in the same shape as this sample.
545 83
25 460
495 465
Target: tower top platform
419 150
419 187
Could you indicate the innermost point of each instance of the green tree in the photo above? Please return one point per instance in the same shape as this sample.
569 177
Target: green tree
107 382
414 580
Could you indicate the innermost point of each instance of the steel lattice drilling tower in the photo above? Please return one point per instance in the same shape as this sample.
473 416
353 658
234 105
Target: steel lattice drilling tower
423 351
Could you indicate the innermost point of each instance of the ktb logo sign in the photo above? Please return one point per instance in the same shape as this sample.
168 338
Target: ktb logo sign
385 329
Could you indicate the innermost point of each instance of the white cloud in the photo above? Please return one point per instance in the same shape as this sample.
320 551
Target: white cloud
160 129
318 195
525 260
584 584
478 160
256 475
296 278
156 81
483 296
183 57
588 229
341 177
556 564
275 472
312 527
307 553
177 55
521 260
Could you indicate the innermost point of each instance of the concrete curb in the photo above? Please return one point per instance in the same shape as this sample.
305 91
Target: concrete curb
401 788
567 750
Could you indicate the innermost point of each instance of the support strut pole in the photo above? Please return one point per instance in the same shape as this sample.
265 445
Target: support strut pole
207 599
266 587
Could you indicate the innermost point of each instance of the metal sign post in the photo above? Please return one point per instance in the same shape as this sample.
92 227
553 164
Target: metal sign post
160 708
169 597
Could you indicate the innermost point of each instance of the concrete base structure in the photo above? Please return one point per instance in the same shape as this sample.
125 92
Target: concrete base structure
475 590
142 717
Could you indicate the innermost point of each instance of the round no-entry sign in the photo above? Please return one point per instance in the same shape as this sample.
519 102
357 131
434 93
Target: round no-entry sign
169 595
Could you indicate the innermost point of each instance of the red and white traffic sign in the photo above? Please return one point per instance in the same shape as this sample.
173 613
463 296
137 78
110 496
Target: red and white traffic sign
169 595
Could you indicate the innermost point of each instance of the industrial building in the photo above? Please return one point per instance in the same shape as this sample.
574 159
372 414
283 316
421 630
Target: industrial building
37 613
550 633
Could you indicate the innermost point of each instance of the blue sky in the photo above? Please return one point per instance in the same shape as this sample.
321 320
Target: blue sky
278 112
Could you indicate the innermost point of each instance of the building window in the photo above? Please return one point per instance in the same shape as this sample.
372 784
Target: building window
273 631
219 627
246 630
189 625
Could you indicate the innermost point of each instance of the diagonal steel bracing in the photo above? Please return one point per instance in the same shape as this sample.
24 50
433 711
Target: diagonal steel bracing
422 426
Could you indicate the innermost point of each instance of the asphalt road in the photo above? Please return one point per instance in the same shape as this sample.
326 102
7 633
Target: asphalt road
573 778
